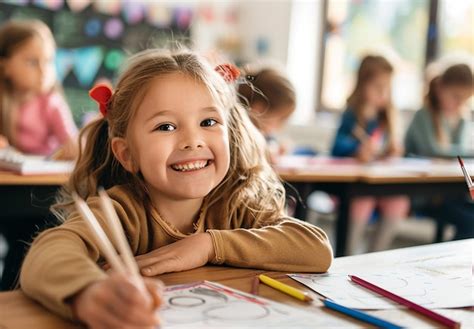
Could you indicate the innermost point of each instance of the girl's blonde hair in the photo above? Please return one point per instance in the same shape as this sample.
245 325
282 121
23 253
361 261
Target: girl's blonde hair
13 35
370 67
459 75
250 183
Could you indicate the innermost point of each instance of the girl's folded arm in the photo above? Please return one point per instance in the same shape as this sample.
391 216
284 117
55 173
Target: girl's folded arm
286 245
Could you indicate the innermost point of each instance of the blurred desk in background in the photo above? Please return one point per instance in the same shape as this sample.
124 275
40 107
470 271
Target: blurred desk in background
346 179
24 210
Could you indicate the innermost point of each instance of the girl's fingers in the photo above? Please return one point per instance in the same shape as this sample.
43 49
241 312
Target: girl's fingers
164 266
156 290
128 304
155 253
150 260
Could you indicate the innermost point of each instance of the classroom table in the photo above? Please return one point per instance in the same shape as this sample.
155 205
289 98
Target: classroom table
347 179
24 204
25 200
19 311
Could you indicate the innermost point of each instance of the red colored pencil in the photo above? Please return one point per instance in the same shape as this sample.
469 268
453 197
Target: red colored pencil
400 300
469 182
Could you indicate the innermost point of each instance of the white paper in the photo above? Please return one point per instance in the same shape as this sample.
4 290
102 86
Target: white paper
211 305
431 290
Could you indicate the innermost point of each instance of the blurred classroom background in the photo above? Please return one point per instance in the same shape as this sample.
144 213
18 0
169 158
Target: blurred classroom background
318 43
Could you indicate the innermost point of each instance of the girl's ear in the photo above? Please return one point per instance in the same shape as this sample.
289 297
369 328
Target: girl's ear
122 153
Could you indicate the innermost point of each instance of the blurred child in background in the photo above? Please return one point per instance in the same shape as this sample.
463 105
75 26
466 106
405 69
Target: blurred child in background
441 129
34 117
367 132
271 99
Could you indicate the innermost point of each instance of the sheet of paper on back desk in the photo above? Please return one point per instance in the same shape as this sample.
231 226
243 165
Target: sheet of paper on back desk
441 281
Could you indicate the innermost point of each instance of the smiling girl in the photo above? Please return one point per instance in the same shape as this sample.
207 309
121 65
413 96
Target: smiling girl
187 171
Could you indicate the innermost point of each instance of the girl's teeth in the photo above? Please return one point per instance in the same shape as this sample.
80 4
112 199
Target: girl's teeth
190 166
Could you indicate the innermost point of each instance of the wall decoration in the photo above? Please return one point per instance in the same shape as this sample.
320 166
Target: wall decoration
94 37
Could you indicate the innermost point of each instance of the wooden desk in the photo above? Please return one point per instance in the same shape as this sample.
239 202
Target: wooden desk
347 179
18 311
24 204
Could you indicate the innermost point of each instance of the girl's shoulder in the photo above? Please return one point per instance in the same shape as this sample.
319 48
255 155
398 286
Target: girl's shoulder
422 114
348 116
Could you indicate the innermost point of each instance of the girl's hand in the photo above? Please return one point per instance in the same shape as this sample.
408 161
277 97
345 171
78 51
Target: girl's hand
366 151
395 150
118 302
185 254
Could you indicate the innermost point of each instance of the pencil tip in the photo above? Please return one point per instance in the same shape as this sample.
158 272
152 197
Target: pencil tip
460 161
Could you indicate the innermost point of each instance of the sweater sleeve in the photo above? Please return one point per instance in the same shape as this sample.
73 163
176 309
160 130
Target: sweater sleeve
63 260
285 245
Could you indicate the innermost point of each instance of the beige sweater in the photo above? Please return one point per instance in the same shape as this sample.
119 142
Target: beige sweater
63 260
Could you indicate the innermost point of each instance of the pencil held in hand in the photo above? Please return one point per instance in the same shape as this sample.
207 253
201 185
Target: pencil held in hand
468 179
128 264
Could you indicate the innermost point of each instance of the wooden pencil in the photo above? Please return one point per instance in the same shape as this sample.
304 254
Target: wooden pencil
103 242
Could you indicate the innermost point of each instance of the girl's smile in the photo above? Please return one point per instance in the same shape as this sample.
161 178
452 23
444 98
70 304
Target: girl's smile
191 165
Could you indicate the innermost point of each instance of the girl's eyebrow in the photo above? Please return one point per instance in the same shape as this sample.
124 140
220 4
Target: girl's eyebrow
157 114
211 109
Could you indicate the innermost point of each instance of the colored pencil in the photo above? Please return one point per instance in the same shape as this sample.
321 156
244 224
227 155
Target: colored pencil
378 322
467 177
411 305
289 290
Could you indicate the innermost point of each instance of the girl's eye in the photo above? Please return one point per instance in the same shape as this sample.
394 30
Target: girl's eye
166 127
208 123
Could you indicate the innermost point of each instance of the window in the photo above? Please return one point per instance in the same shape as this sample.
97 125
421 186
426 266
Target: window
395 29
456 26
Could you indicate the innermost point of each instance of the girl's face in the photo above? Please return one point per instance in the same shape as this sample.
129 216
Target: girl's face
179 139
31 67
453 98
377 90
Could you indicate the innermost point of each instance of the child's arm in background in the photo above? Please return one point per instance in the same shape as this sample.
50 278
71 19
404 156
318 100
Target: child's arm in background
62 262
345 143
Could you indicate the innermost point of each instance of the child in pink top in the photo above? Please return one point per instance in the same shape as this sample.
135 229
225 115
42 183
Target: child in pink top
34 117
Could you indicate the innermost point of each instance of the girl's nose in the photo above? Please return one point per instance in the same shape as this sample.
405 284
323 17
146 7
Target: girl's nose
191 141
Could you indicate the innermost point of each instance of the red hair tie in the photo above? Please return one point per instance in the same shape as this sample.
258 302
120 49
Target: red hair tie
101 93
229 72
